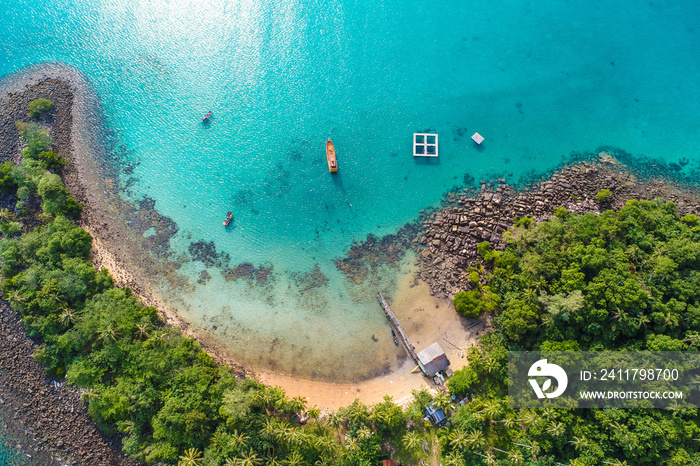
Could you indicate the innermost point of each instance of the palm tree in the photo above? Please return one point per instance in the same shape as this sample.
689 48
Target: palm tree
87 394
491 365
530 295
670 320
453 459
192 457
510 422
491 409
411 441
108 333
579 442
616 426
251 459
272 429
325 445
530 418
238 440
693 338
295 437
296 404
363 434
127 427
68 317
314 413
516 457
18 297
351 446
443 400
142 330
6 216
459 439
556 429
547 320
295 459
642 321
618 314
490 459
156 339
475 438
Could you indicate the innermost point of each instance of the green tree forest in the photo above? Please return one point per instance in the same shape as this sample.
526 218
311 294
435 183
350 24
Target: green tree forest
620 280
626 280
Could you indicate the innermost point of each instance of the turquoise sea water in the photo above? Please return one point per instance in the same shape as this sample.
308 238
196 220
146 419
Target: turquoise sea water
537 80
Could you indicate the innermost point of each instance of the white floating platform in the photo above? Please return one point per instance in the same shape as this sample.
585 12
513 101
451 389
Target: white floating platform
478 138
425 145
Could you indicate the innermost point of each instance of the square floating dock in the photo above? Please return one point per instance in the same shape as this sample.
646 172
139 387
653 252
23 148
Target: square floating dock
425 145
478 138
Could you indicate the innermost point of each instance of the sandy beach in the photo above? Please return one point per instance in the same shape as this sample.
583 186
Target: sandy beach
422 305
78 137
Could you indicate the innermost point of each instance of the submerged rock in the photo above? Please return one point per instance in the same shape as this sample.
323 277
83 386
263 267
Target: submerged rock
206 252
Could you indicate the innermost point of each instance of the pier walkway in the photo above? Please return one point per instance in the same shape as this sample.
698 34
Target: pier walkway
399 329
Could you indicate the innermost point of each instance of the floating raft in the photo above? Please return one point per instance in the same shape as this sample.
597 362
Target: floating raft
477 138
425 145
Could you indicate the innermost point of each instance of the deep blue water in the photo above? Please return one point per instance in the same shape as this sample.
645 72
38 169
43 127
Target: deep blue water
537 79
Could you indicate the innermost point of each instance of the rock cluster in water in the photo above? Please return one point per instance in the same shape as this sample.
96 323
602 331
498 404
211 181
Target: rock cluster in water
254 275
367 256
314 278
205 251
450 235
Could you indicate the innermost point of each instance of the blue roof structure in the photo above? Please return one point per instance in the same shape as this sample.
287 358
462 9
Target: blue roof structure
437 416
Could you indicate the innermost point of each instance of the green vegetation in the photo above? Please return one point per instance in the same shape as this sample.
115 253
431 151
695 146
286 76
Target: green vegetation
37 143
603 195
146 381
628 280
479 299
40 107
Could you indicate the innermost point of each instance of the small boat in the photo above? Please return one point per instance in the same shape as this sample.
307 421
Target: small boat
330 155
206 117
229 216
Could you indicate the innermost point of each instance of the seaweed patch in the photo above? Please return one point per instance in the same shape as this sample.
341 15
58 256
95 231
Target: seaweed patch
206 253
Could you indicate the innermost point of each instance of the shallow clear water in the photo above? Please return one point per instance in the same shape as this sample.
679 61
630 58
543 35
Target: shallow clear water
10 456
538 81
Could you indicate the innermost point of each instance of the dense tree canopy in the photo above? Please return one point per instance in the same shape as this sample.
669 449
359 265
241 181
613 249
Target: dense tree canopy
621 280
624 280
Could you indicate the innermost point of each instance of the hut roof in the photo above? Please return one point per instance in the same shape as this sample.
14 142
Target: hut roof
433 359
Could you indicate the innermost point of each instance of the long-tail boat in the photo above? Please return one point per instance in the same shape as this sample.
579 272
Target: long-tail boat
229 216
206 117
330 155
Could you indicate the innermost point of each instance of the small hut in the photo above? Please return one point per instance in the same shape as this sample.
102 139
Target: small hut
433 360
436 416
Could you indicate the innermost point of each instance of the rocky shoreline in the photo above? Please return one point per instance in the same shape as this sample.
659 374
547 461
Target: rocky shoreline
447 247
46 420
51 421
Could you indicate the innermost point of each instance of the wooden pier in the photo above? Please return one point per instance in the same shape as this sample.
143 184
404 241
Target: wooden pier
399 329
